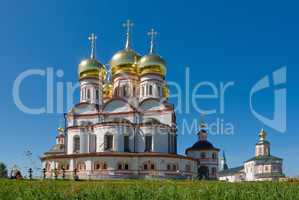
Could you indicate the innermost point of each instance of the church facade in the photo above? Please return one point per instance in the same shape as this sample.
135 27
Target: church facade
123 126
262 167
205 154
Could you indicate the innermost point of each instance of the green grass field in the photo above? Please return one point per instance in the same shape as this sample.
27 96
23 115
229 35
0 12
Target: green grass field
138 189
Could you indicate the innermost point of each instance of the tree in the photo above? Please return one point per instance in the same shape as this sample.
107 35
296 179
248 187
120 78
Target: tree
3 170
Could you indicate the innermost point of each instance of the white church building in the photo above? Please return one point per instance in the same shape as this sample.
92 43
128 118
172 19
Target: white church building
262 167
123 126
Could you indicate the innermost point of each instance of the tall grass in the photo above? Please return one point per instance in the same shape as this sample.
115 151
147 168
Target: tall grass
146 190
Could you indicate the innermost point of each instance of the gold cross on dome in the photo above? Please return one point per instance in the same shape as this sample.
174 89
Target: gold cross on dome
128 25
92 38
152 35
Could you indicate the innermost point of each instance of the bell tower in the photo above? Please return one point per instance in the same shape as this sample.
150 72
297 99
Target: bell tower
262 147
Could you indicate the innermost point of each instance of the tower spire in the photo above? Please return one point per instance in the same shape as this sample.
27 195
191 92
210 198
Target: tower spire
262 135
223 163
202 124
203 135
152 35
128 24
223 155
92 38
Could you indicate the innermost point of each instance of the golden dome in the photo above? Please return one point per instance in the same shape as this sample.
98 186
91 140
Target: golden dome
89 68
124 61
152 64
107 90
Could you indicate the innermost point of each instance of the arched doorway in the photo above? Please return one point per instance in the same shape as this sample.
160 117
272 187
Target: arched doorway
203 172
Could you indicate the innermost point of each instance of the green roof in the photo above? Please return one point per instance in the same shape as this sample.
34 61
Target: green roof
264 158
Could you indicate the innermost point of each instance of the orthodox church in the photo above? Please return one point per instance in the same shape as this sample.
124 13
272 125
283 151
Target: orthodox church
205 154
124 126
262 167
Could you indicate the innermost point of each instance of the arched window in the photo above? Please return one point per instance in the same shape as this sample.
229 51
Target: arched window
145 167
152 166
92 143
172 143
124 88
64 166
214 171
104 166
174 168
150 90
76 144
142 90
88 94
168 167
126 143
119 166
126 166
159 91
214 156
97 94
83 91
116 91
100 166
146 89
97 166
108 142
134 91
148 143
188 168
203 155
171 167
81 166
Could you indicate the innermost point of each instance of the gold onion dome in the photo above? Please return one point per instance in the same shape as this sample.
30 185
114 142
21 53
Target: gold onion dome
125 61
90 67
152 63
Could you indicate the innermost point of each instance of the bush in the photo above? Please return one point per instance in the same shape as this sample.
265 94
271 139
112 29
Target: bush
3 170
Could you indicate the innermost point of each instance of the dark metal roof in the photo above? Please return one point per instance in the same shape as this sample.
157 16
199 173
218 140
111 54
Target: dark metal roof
263 142
230 171
56 149
202 145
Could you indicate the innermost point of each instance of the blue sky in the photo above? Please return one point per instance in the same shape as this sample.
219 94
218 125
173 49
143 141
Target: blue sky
219 41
